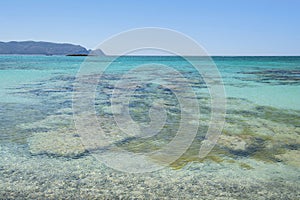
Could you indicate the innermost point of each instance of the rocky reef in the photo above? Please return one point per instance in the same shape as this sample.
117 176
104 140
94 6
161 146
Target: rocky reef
251 132
261 133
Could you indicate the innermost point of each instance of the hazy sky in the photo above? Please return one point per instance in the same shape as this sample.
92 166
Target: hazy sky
223 27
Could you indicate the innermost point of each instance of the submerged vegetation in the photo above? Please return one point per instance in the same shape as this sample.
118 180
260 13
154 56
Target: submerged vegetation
261 134
274 76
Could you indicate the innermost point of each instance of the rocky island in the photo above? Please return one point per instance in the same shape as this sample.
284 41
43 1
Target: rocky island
41 48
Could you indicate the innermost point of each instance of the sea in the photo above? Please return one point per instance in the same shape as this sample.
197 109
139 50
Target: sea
149 127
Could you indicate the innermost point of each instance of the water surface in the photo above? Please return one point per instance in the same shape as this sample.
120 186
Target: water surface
256 156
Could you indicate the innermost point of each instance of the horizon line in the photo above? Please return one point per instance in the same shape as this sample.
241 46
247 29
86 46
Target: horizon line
160 55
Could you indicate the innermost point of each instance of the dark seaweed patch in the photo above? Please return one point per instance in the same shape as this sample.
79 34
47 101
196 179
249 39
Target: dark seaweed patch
274 76
257 145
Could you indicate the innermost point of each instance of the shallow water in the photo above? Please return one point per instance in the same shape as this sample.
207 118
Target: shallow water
257 155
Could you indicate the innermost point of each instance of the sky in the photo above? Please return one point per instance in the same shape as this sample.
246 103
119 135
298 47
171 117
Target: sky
222 27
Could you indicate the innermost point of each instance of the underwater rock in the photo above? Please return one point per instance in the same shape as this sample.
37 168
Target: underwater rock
63 142
234 143
291 157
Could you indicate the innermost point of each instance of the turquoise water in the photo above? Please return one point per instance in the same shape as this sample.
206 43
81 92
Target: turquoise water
257 155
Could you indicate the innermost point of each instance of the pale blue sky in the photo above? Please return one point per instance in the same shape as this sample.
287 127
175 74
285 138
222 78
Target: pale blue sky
223 27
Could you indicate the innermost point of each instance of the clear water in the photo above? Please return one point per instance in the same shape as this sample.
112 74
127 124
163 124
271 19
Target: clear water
257 156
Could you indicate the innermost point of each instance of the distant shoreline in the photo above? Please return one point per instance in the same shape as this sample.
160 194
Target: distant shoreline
84 55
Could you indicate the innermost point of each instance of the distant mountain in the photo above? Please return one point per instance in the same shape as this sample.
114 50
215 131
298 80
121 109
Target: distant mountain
96 52
43 48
